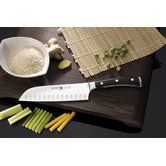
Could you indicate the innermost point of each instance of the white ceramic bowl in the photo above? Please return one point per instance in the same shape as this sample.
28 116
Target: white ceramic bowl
9 45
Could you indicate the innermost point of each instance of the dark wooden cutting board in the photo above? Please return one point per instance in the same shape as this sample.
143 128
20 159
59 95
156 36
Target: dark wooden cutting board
122 104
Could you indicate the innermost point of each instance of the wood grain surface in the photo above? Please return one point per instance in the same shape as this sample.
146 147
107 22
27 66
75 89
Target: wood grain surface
123 104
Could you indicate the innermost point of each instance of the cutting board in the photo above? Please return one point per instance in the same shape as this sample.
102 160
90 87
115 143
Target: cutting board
123 104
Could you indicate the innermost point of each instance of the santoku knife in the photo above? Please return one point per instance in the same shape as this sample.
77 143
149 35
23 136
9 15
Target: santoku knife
75 92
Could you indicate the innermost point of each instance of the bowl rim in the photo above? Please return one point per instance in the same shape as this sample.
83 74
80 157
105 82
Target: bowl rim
40 73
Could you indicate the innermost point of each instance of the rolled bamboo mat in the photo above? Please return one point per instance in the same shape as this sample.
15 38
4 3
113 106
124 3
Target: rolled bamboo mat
88 42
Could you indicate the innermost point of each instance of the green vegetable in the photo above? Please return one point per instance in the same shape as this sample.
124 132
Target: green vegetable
116 57
122 54
41 122
19 116
106 53
125 50
115 53
45 122
10 111
102 55
118 68
123 46
113 50
128 42
38 120
31 119
35 119
58 57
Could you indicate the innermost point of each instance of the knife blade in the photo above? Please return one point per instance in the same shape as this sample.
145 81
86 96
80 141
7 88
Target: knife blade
75 92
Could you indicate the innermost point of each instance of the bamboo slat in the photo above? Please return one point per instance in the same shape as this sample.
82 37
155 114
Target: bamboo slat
87 42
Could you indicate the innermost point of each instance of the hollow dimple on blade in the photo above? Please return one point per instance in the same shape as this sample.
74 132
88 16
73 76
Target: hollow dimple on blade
71 97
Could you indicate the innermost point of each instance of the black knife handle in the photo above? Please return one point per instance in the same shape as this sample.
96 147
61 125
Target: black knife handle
120 81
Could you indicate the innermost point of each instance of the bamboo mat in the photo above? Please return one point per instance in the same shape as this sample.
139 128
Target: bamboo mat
88 42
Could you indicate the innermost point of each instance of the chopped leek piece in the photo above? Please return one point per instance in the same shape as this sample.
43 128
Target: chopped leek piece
10 111
42 121
29 122
45 122
19 116
29 117
35 119
38 120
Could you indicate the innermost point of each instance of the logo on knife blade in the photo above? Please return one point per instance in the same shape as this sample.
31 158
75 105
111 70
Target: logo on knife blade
60 87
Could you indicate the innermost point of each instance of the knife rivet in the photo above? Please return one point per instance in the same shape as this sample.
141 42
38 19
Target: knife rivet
101 83
116 80
132 79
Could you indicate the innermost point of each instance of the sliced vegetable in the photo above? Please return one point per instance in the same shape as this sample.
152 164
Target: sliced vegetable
29 122
19 116
68 119
10 111
45 122
35 119
59 123
41 122
118 68
38 120
54 121
29 117
58 57
64 64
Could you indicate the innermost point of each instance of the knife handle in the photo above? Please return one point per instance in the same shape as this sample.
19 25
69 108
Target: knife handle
120 81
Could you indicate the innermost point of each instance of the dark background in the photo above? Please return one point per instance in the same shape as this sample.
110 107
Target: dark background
90 126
